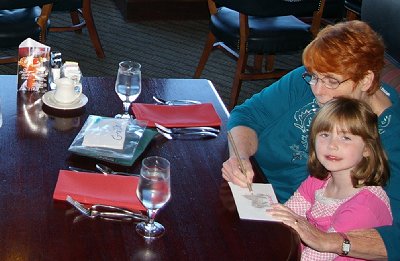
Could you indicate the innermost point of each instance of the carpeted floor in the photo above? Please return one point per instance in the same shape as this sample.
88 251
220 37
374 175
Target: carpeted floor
166 49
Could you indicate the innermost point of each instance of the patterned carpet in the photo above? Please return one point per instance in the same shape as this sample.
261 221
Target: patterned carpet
166 49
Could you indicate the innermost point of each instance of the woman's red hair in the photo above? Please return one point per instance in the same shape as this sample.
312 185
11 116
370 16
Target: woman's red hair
350 49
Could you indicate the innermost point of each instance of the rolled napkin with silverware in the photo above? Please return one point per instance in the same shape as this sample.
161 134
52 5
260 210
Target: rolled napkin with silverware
196 115
174 102
187 133
90 189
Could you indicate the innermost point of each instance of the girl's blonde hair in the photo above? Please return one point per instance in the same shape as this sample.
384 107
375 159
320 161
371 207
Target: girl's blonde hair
357 118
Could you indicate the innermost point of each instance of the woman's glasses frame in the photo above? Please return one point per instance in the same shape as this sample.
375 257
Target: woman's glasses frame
327 81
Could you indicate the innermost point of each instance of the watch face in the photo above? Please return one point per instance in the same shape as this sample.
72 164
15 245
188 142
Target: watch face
346 247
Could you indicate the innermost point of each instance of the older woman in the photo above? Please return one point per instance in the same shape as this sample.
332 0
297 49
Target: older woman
343 60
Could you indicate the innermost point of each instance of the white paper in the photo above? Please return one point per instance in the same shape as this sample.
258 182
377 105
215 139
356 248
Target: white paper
253 206
106 133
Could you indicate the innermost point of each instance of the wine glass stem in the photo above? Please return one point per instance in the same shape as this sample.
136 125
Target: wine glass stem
152 215
126 107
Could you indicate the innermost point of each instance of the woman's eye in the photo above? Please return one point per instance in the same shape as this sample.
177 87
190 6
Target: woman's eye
331 80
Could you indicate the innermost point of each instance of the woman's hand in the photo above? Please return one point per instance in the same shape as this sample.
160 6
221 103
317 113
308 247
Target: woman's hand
246 143
231 171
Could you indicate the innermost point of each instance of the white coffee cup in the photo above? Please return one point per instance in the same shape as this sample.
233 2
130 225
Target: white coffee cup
67 91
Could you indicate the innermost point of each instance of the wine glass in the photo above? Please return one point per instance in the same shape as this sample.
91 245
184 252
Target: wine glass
128 85
153 191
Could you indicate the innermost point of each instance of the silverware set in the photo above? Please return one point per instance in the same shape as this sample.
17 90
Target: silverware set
103 170
174 102
107 212
187 133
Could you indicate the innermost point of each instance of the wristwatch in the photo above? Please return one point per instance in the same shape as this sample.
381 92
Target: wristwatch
346 246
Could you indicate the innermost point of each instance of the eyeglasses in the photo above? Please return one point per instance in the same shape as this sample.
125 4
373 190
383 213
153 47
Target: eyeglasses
328 82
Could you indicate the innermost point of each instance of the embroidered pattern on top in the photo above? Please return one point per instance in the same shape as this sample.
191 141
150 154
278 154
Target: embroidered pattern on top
302 121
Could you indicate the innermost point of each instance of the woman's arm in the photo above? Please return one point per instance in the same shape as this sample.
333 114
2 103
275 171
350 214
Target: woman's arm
246 142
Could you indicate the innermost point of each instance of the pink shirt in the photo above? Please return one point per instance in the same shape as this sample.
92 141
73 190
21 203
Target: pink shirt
367 208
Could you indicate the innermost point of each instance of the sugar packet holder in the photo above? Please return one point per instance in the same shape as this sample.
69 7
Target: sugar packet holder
33 66
109 139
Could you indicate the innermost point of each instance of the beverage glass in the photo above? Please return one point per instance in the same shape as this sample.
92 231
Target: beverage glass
128 85
1 116
153 191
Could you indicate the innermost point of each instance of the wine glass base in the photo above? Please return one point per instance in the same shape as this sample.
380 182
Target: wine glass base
122 116
147 230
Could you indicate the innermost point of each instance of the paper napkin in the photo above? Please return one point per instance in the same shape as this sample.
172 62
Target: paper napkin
177 116
93 188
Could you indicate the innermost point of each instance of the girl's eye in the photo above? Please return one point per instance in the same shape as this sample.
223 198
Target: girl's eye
344 137
323 134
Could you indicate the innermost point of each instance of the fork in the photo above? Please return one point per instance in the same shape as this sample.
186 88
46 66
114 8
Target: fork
111 212
78 206
187 135
186 129
175 102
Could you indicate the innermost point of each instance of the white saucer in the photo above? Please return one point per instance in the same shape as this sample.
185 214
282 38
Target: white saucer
48 99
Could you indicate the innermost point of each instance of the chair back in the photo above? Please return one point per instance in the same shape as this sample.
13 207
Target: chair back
272 8
383 16
15 4
67 5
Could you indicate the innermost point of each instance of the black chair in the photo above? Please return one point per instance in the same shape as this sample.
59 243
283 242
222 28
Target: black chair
353 9
387 24
20 20
260 28
81 16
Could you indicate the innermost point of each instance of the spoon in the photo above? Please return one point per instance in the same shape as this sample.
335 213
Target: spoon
107 170
175 102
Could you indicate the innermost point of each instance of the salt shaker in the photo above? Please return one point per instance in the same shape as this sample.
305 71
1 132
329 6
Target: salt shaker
56 64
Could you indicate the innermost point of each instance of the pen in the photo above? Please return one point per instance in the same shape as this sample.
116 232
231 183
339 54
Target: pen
242 169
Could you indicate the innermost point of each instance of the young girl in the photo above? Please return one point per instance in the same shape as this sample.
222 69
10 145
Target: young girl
347 168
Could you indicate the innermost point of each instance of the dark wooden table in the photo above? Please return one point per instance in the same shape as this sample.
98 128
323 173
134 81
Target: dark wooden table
201 219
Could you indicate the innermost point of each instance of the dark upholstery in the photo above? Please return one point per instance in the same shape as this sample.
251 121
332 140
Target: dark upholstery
67 5
272 7
384 17
18 21
388 26
18 24
267 35
334 9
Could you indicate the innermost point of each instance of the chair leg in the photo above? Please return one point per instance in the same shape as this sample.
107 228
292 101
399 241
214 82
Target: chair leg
208 47
94 37
258 59
237 81
269 62
75 20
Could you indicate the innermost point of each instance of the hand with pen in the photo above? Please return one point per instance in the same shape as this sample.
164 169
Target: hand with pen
238 169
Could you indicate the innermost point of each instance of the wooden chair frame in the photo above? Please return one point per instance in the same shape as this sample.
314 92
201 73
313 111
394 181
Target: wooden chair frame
241 57
87 21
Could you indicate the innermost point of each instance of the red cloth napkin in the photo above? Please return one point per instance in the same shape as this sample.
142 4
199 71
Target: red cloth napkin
177 116
92 188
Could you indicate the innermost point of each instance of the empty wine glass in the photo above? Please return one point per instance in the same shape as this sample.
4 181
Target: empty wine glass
128 85
153 191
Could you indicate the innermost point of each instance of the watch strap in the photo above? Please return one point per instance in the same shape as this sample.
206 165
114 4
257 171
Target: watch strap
346 246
